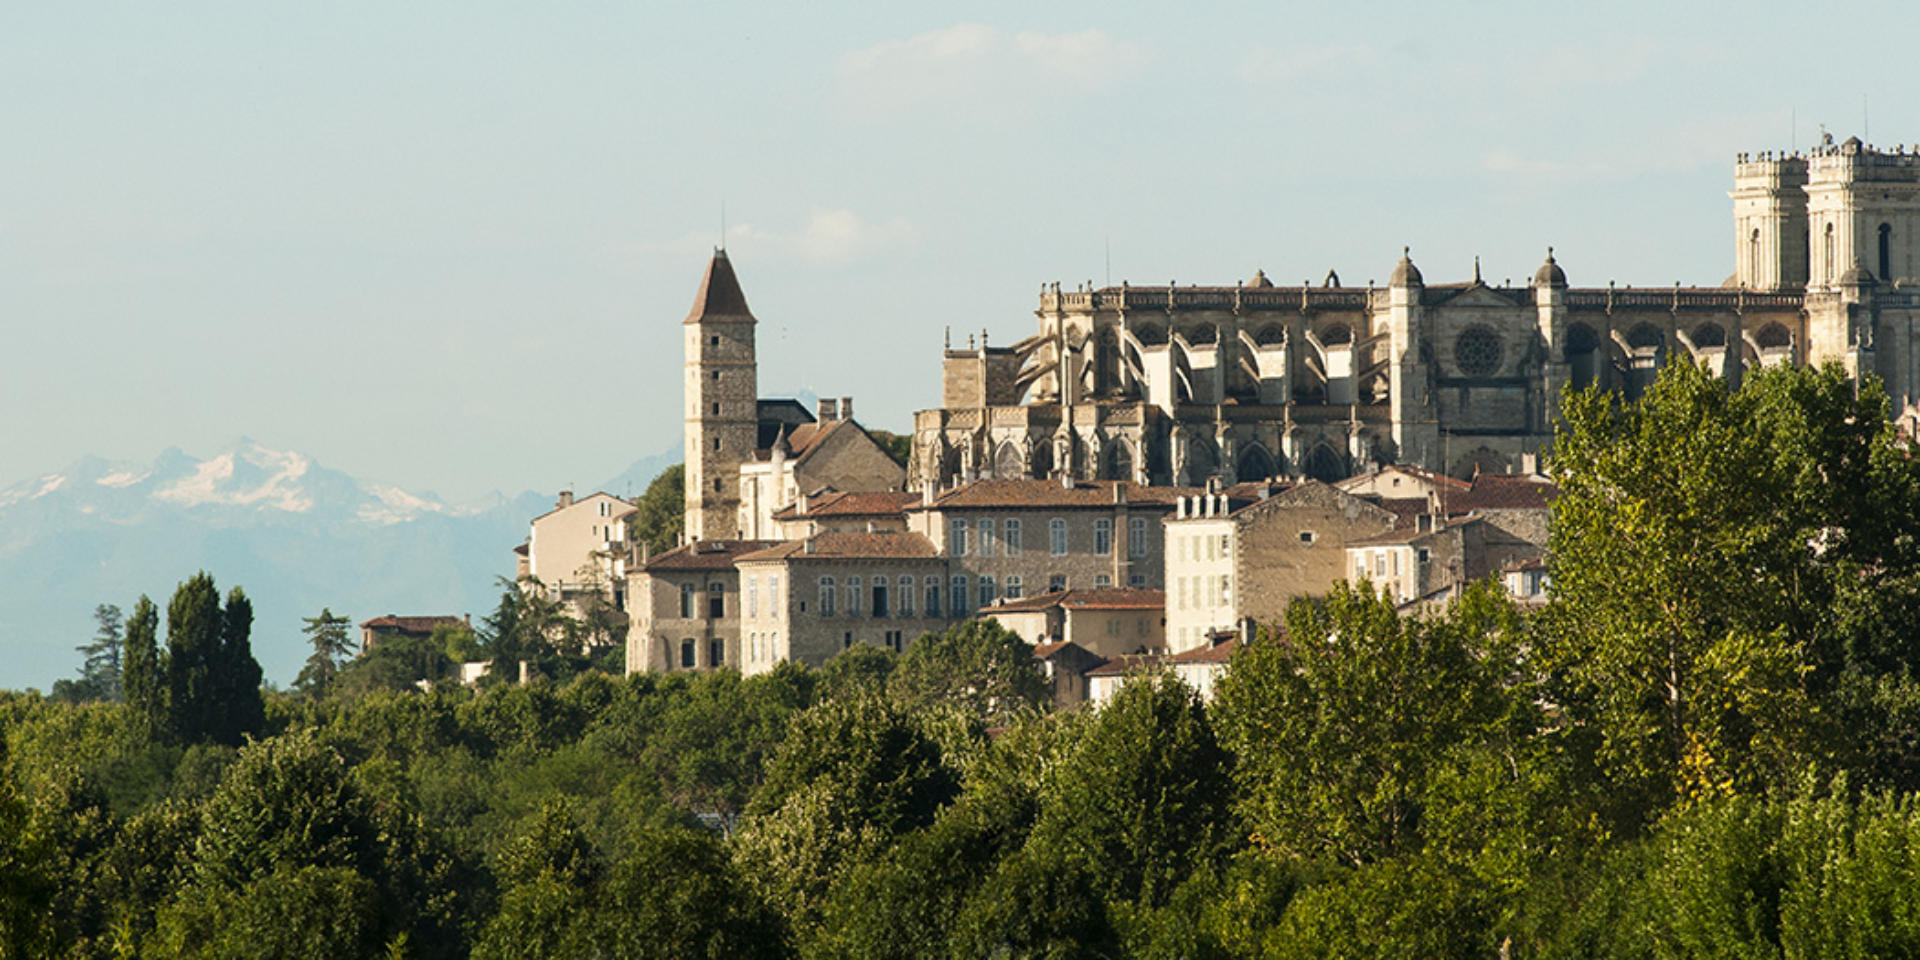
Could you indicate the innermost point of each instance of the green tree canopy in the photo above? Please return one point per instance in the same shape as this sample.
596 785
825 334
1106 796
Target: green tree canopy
978 666
332 647
660 515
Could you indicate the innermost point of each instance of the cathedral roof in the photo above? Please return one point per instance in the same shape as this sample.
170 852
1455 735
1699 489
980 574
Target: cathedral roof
1405 274
719 294
1550 274
1857 276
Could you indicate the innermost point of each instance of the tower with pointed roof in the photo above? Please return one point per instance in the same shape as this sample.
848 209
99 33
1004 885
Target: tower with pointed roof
722 391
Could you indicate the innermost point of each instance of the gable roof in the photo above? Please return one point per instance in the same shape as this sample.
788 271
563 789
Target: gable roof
1125 663
838 503
719 295
706 555
1104 598
624 509
849 546
419 625
1081 494
1220 652
1504 491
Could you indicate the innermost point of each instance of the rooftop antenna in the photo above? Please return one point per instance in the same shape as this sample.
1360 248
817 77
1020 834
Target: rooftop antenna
1866 131
1109 243
723 225
1793 128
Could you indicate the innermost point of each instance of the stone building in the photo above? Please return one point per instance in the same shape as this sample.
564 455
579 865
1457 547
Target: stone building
684 607
1016 538
1408 564
1172 384
748 457
1107 622
806 600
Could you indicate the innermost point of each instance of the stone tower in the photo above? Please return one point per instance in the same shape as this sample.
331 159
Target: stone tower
722 402
1863 207
1770 221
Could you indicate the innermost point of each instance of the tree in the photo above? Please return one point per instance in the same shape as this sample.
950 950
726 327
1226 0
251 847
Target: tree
144 674
100 667
242 712
1724 560
978 666
660 516
327 634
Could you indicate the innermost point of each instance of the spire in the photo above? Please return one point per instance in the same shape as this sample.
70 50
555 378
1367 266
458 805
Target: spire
719 294
1476 271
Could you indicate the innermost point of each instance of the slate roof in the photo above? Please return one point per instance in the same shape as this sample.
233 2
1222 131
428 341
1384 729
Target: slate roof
849 546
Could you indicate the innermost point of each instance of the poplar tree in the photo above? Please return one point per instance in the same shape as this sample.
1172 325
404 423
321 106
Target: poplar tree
143 671
241 711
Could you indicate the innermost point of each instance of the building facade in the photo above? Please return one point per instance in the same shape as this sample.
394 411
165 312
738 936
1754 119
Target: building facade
806 600
1174 384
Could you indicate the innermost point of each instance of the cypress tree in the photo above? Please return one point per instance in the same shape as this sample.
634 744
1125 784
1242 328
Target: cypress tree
195 626
239 672
143 672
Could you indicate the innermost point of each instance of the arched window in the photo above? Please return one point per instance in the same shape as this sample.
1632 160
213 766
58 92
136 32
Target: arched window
1254 464
1119 461
1709 335
1753 258
688 654
1583 355
1325 465
1886 253
1827 258
826 596
904 607
1008 463
853 596
1271 335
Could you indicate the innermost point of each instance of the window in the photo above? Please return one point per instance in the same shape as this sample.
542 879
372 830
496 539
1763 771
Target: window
713 341
826 596
716 409
753 596
853 596
1137 580
1014 589
1101 581
1422 555
1306 536
716 443
846 640
957 541
1226 545
933 596
896 639
958 595
1180 546
905 607
1012 543
773 595
1113 627
1057 536
716 652
984 527
1379 563
716 601
1056 582
880 607
1102 537
1226 589
1477 352
1180 594
1136 536
986 591
686 601
688 655
1396 563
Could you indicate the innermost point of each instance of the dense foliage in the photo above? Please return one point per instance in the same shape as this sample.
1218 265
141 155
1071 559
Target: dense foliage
1703 746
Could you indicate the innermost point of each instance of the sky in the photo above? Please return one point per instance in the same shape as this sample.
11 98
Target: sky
448 245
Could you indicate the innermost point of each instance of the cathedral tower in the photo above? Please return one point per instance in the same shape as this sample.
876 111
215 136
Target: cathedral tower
1770 221
722 402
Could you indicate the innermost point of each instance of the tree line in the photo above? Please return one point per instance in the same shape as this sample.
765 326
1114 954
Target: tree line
1703 745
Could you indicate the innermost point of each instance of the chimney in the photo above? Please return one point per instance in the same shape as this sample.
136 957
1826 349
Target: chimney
802 511
1120 491
566 498
829 410
872 527
809 545
1529 463
846 408
1066 480
926 494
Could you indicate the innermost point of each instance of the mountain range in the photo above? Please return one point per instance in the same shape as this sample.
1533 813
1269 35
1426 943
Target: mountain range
294 534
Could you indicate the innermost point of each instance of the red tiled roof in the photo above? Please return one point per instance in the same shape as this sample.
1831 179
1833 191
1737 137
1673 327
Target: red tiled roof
1104 598
1053 493
1406 511
851 504
706 554
1213 653
719 294
1124 664
420 625
850 546
1504 491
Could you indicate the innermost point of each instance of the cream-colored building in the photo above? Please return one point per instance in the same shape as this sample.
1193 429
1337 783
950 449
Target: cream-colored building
838 512
1409 564
1231 563
806 600
1176 383
579 548
1107 622
834 454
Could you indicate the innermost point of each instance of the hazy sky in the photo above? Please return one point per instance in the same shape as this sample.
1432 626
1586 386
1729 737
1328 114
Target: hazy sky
448 245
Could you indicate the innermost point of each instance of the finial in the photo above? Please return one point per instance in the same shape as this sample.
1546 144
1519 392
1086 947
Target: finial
1406 252
1549 253
949 337
1476 268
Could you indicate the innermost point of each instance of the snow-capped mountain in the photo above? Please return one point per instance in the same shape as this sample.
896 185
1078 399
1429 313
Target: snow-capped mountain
294 534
